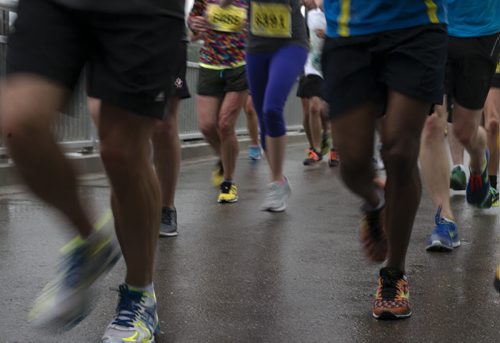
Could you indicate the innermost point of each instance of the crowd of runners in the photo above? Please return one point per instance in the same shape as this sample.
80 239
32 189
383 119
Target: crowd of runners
414 73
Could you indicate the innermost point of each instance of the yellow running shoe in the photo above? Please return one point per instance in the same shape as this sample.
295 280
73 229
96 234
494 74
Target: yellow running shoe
228 193
217 174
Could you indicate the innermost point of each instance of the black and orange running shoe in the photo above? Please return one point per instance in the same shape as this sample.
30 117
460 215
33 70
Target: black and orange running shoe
392 297
333 161
313 157
373 236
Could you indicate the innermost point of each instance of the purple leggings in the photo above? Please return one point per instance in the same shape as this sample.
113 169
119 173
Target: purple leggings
271 76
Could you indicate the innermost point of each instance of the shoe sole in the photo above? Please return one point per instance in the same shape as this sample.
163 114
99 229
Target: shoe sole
391 316
311 163
172 234
227 201
275 209
440 247
437 246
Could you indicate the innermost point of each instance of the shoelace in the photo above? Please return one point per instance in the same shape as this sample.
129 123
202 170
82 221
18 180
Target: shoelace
128 307
166 216
390 287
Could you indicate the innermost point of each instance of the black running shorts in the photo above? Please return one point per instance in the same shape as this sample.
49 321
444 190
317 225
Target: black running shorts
181 89
217 82
470 69
310 86
360 69
129 58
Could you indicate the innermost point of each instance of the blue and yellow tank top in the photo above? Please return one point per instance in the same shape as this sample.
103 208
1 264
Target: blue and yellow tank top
360 17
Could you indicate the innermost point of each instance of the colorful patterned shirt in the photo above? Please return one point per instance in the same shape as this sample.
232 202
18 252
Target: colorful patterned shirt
224 43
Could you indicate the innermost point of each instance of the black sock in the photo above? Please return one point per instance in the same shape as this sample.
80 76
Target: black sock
493 181
225 186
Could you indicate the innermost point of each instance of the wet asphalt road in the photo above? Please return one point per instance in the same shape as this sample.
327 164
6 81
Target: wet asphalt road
235 274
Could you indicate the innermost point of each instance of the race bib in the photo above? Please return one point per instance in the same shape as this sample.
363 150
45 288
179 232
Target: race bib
228 19
271 20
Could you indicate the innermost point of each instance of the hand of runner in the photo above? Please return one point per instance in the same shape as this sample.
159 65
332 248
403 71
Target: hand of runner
320 33
199 24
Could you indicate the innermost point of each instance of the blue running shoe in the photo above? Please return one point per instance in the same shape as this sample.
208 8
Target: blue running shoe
254 152
444 236
63 303
136 319
478 187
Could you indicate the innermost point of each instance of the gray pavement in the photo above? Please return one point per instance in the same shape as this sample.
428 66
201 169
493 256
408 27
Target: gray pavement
235 274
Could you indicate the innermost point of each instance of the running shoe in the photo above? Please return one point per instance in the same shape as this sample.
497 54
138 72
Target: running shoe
168 222
136 319
491 200
478 187
228 193
495 198
217 174
326 143
444 236
458 179
372 235
313 157
277 196
64 301
496 282
333 161
254 152
392 298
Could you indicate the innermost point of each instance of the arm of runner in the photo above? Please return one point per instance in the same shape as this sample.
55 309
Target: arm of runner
196 20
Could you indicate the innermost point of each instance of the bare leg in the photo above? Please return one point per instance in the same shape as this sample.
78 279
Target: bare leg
456 149
325 121
167 153
492 118
275 152
29 106
470 134
434 160
315 113
135 189
208 114
306 121
400 136
228 115
354 133
252 121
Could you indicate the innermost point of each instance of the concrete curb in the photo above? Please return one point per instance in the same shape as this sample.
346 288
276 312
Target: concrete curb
91 163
